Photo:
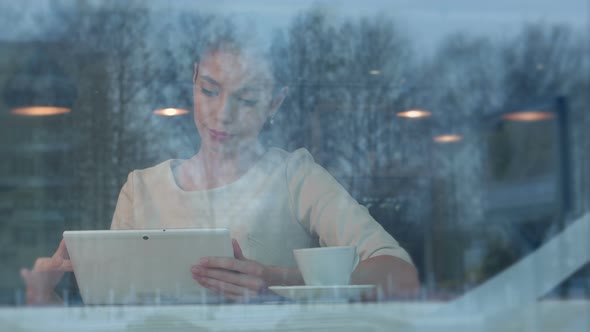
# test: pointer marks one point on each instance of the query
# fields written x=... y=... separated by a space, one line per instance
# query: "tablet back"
x=143 y=266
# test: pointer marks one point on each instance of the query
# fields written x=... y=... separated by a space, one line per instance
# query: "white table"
x=550 y=316
x=505 y=303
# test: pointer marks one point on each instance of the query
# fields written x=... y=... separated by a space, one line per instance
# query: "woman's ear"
x=195 y=71
x=277 y=100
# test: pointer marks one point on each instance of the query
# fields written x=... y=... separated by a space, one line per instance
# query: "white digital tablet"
x=143 y=266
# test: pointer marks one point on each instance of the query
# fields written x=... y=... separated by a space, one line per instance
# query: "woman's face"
x=232 y=100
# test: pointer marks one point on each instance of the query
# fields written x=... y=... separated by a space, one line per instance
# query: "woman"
x=271 y=200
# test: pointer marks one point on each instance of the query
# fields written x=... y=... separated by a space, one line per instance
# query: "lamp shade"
x=414 y=114
x=40 y=88
x=528 y=115
x=447 y=138
x=171 y=111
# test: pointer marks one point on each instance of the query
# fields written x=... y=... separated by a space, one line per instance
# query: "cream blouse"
x=285 y=201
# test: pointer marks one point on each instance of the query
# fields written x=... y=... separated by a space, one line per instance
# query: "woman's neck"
x=214 y=168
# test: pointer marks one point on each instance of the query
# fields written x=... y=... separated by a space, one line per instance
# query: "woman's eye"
x=248 y=102
x=210 y=93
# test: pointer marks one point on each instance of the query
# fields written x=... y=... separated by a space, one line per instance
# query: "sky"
x=426 y=21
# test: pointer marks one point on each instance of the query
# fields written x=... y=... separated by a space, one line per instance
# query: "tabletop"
x=570 y=316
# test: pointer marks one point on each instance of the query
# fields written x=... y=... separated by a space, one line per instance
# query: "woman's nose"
x=227 y=110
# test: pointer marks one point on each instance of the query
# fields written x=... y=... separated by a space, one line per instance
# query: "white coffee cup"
x=327 y=265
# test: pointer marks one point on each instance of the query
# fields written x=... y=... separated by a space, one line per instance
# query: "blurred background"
x=462 y=126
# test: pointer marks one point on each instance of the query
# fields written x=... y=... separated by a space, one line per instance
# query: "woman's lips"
x=219 y=135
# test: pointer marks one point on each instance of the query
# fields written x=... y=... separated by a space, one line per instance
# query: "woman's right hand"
x=45 y=275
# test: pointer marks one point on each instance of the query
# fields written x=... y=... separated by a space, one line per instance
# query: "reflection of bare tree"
x=472 y=77
x=462 y=81
x=108 y=55
x=345 y=79
x=129 y=61
x=541 y=63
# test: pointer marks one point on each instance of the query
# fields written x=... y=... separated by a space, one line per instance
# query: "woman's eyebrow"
x=255 y=86
x=210 y=80
x=249 y=90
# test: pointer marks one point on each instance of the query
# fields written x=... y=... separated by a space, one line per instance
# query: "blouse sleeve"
x=123 y=216
x=327 y=210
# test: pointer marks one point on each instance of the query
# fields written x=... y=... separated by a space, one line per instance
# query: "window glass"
x=447 y=138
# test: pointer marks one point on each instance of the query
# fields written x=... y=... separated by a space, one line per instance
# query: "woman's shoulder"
x=286 y=156
x=297 y=163
x=156 y=173
x=296 y=158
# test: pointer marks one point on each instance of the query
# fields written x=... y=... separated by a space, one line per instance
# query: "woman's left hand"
x=239 y=278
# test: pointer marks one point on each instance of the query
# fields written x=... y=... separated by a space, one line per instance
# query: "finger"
x=25 y=273
x=226 y=289
x=232 y=264
x=62 y=250
x=66 y=266
x=52 y=264
x=237 y=250
x=46 y=264
x=239 y=279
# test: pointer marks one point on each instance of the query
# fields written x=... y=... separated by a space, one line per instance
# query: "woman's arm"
x=393 y=276
x=240 y=278
x=324 y=207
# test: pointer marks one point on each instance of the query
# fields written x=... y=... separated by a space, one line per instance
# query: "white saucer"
x=323 y=293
